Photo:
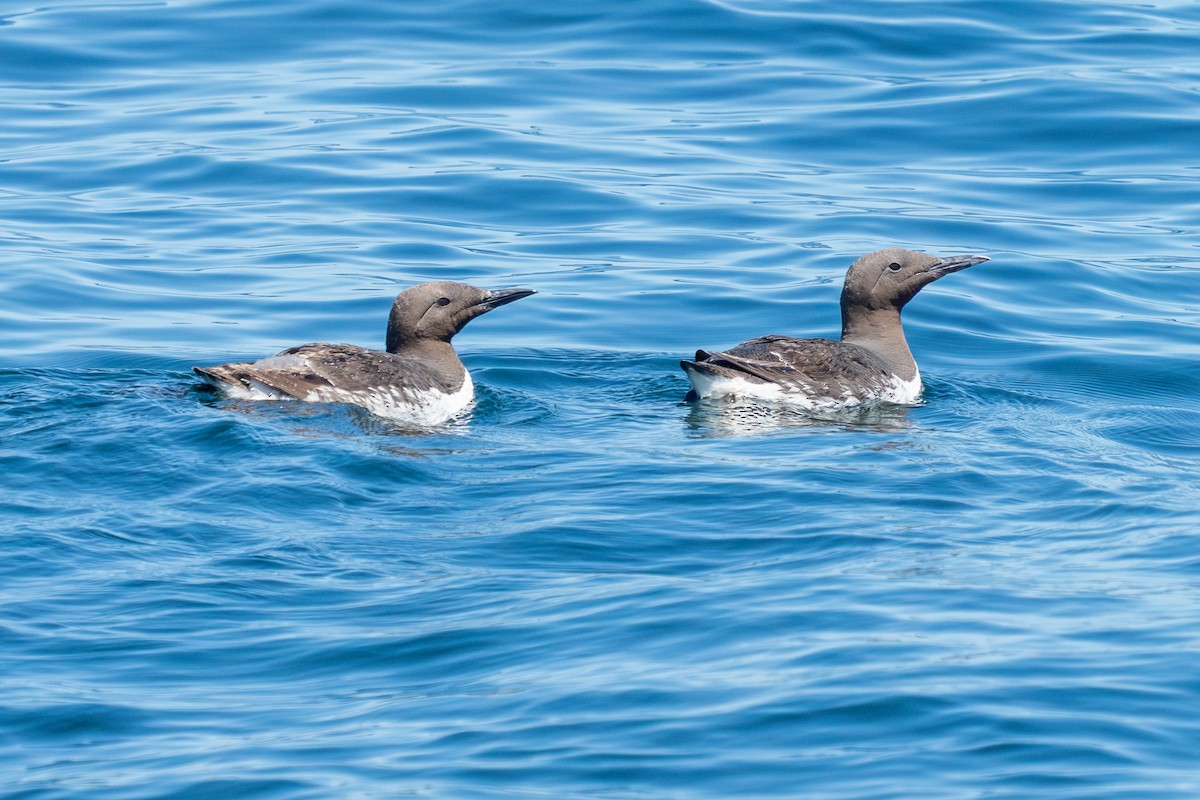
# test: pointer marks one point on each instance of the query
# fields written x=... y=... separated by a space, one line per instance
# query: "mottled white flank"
x=707 y=385
x=899 y=391
x=414 y=407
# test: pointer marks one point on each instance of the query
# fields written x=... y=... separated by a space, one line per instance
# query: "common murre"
x=418 y=380
x=871 y=363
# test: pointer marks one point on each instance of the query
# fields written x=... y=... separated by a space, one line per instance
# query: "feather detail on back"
x=418 y=379
x=872 y=361
x=394 y=386
x=814 y=373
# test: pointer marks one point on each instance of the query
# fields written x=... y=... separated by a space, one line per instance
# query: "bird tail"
x=237 y=380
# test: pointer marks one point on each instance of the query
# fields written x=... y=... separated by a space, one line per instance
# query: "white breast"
x=904 y=393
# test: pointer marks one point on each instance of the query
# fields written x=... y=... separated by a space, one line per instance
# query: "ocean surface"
x=585 y=587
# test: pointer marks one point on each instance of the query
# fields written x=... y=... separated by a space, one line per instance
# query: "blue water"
x=588 y=588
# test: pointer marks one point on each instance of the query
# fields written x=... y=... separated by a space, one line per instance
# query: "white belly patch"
x=901 y=392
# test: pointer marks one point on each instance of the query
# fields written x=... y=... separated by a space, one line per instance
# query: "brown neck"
x=438 y=354
x=879 y=330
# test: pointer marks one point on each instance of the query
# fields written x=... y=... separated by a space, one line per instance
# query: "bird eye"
x=893 y=266
x=443 y=301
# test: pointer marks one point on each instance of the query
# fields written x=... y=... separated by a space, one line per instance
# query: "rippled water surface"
x=586 y=587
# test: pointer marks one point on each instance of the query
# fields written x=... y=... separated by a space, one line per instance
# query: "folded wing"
x=818 y=368
x=325 y=371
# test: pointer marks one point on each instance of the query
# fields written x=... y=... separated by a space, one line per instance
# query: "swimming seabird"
x=871 y=363
x=418 y=380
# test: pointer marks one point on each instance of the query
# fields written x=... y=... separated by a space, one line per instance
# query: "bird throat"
x=880 y=331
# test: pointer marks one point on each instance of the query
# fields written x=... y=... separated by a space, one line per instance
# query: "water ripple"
x=586 y=587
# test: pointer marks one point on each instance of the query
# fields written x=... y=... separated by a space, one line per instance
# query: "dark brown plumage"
x=872 y=361
x=418 y=378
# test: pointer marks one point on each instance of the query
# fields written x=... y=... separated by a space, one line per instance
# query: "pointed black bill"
x=498 y=297
x=491 y=299
x=956 y=263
